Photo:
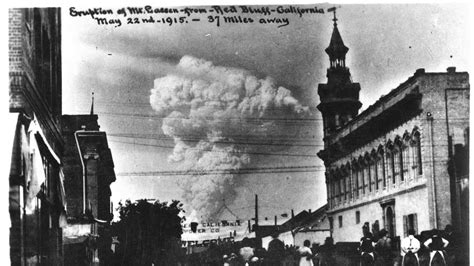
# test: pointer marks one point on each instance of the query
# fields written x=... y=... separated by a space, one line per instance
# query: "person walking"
x=383 y=248
x=326 y=253
x=366 y=249
x=246 y=251
x=305 y=254
x=436 y=244
x=276 y=251
x=409 y=249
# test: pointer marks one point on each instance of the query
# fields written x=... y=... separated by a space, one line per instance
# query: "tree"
x=148 y=233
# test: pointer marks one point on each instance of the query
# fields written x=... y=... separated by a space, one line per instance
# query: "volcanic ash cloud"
x=212 y=112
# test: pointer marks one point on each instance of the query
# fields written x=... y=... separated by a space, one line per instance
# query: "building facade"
x=89 y=171
x=402 y=162
x=36 y=202
x=61 y=166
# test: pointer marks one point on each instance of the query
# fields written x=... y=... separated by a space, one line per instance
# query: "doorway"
x=388 y=210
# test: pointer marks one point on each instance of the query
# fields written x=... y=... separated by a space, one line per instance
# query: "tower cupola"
x=339 y=96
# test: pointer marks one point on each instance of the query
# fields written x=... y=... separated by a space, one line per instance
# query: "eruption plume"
x=212 y=112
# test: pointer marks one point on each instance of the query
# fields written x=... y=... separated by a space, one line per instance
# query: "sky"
x=214 y=115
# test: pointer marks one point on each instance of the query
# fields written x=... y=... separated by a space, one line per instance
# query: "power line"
x=218 y=119
x=289 y=119
x=272 y=137
x=258 y=144
x=256 y=170
x=148 y=104
x=268 y=142
x=219 y=151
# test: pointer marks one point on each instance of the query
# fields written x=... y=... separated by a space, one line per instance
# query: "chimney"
x=420 y=71
x=292 y=214
x=309 y=210
x=451 y=69
x=275 y=220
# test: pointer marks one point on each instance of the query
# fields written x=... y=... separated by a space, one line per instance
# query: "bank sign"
x=206 y=233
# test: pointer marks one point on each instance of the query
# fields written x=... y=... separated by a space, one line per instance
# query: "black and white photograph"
x=275 y=134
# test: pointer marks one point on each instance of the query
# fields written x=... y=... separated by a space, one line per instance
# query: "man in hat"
x=436 y=244
x=383 y=248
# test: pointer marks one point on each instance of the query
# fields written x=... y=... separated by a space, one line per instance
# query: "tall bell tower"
x=339 y=96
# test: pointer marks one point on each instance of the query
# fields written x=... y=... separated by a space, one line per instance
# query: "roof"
x=296 y=221
x=314 y=218
x=383 y=100
x=336 y=46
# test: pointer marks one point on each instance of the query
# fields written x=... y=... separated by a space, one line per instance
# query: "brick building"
x=404 y=160
x=35 y=198
x=87 y=160
x=55 y=218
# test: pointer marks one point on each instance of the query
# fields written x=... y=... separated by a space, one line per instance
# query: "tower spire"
x=336 y=50
x=339 y=96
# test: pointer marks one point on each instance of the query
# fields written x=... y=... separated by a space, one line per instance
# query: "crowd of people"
x=246 y=252
x=432 y=247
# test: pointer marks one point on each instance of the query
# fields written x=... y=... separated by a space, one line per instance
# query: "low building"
x=315 y=228
x=402 y=162
x=306 y=225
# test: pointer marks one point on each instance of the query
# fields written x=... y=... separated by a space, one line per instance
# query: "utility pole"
x=257 y=231
x=256 y=209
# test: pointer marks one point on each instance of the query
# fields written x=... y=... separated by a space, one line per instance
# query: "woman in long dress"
x=306 y=256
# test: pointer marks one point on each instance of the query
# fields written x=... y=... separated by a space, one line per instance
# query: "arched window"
x=406 y=156
x=337 y=188
x=361 y=175
x=347 y=174
x=389 y=163
x=330 y=187
x=373 y=171
x=333 y=189
x=344 y=184
x=379 y=162
x=342 y=187
x=355 y=179
x=416 y=154
x=368 y=173
x=397 y=160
